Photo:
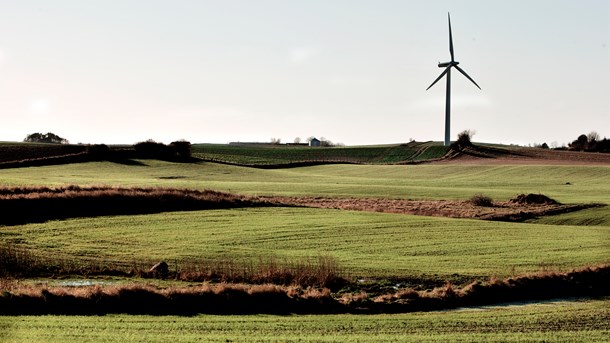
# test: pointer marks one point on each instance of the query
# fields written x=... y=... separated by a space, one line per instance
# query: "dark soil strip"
x=28 y=205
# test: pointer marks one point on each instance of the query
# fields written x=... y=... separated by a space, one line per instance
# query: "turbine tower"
x=447 y=71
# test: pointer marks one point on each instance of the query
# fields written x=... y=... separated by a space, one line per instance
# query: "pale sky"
x=352 y=71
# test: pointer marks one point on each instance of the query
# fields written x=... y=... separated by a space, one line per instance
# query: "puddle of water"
x=84 y=283
x=516 y=304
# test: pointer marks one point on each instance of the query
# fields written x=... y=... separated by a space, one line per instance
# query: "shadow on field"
x=128 y=162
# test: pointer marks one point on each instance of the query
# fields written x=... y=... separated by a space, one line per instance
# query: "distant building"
x=314 y=142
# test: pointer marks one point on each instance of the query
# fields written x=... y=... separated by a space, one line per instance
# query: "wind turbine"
x=447 y=71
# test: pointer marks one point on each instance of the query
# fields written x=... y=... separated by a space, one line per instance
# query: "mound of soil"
x=533 y=199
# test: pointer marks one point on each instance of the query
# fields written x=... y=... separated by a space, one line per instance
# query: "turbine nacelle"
x=447 y=64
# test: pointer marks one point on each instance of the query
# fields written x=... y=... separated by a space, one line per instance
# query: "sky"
x=351 y=71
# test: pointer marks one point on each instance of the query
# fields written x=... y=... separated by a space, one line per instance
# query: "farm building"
x=314 y=142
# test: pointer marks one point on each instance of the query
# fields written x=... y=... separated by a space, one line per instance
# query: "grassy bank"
x=551 y=322
x=24 y=299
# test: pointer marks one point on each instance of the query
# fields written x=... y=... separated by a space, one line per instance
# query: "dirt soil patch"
x=517 y=209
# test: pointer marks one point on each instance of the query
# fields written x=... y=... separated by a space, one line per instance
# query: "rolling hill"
x=280 y=156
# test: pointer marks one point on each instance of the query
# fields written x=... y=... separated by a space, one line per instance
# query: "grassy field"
x=589 y=217
x=587 y=183
x=257 y=154
x=565 y=321
x=260 y=155
x=365 y=244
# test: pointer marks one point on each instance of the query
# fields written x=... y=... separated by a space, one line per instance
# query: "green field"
x=267 y=154
x=364 y=244
x=574 y=321
x=587 y=183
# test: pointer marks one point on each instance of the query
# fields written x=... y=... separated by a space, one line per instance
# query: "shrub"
x=151 y=149
x=464 y=140
x=181 y=148
x=98 y=150
x=175 y=150
x=481 y=200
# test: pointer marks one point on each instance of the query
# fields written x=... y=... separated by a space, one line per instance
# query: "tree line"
x=591 y=142
x=45 y=138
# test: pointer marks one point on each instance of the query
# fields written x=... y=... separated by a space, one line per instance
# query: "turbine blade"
x=450 y=38
x=440 y=77
x=469 y=78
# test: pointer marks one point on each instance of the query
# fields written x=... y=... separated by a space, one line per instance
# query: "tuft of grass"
x=322 y=271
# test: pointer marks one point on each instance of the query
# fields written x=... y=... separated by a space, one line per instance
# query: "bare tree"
x=325 y=142
x=593 y=137
x=297 y=140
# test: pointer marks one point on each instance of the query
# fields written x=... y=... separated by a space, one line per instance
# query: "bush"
x=481 y=200
x=182 y=149
x=151 y=149
x=464 y=140
x=98 y=150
